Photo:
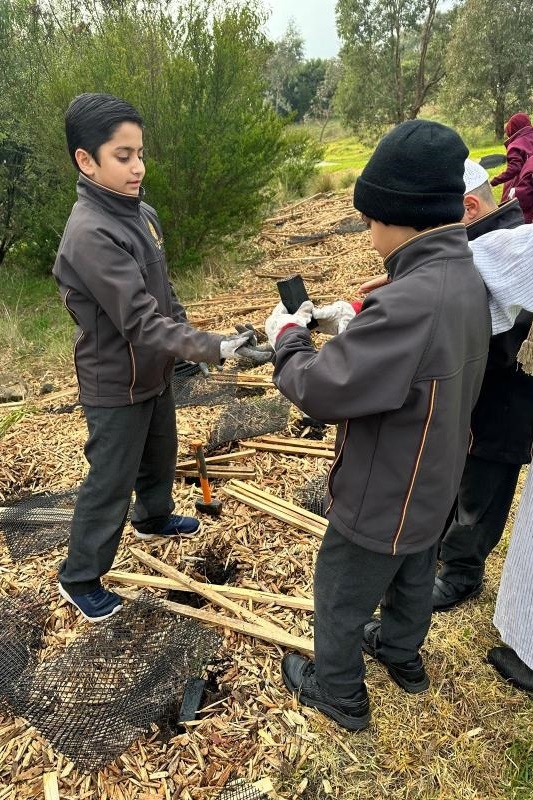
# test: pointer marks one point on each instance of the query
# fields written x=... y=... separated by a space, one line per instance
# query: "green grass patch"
x=520 y=769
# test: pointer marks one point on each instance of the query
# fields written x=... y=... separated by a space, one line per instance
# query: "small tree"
x=490 y=62
x=322 y=105
x=393 y=57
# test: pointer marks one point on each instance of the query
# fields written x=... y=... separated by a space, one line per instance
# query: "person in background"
x=519 y=146
x=400 y=381
x=501 y=425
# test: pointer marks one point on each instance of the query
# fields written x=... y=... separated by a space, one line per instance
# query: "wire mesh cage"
x=107 y=688
x=313 y=495
x=37 y=523
x=250 y=417
x=21 y=632
x=240 y=789
x=191 y=387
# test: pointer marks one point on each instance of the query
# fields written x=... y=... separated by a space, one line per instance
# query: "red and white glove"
x=281 y=319
x=334 y=317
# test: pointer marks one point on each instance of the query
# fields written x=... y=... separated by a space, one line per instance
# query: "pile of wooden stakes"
x=244 y=621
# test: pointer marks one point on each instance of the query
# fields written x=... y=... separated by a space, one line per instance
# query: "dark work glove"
x=258 y=354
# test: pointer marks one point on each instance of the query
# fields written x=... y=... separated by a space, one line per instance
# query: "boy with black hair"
x=401 y=381
x=112 y=275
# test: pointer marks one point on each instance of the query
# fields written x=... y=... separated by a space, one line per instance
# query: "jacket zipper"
x=330 y=476
x=429 y=415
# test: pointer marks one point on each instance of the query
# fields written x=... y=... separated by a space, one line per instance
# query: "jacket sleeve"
x=524 y=187
x=367 y=369
x=114 y=279
x=515 y=162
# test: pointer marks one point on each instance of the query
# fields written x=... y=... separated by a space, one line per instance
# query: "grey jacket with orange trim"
x=401 y=381
x=112 y=275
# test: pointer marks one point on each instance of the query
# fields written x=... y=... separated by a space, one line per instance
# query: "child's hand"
x=334 y=317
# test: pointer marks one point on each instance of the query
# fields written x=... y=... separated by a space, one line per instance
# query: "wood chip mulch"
x=449 y=743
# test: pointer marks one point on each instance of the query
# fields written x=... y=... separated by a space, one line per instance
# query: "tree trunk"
x=499 y=117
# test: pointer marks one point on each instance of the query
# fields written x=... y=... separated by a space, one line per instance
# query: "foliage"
x=196 y=72
x=282 y=67
x=490 y=62
x=301 y=89
x=393 y=57
x=322 y=105
x=302 y=155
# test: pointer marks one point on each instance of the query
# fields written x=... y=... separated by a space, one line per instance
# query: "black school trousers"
x=129 y=448
x=484 y=499
x=349 y=584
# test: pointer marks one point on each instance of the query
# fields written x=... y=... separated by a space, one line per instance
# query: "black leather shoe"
x=298 y=674
x=511 y=667
x=447 y=595
x=411 y=676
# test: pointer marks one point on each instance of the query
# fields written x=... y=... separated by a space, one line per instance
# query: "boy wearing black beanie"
x=400 y=382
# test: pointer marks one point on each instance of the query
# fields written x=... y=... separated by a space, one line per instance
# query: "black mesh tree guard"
x=107 y=688
x=37 y=523
x=21 y=632
x=240 y=789
x=247 y=418
x=312 y=495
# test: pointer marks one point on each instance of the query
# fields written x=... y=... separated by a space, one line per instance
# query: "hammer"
x=208 y=505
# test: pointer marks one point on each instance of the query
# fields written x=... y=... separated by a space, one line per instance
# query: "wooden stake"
x=219 y=472
x=50 y=786
x=290 y=449
x=252 y=489
x=237 y=592
x=274 y=511
x=203 y=590
x=238 y=455
x=271 y=635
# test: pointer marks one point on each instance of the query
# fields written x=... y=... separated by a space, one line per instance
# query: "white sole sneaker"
x=65 y=595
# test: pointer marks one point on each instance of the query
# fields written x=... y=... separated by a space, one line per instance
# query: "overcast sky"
x=314 y=19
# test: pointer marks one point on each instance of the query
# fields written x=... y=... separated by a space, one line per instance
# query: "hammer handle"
x=202 y=470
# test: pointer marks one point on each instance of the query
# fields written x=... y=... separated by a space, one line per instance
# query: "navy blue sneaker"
x=176 y=527
x=96 y=605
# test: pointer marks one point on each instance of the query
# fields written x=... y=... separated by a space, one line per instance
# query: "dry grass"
x=467 y=738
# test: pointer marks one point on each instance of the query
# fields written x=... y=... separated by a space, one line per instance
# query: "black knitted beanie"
x=414 y=177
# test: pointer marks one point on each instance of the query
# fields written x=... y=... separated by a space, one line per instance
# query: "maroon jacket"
x=519 y=148
x=524 y=190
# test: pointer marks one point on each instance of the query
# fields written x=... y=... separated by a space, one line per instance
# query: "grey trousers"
x=349 y=584
x=129 y=447
x=485 y=496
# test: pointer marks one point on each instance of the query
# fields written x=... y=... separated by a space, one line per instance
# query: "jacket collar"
x=123 y=205
x=527 y=130
x=448 y=241
x=508 y=215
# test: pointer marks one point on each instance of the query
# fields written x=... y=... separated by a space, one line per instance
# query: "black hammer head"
x=214 y=507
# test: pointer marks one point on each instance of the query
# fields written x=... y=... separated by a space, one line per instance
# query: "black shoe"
x=447 y=595
x=298 y=674
x=511 y=667
x=410 y=675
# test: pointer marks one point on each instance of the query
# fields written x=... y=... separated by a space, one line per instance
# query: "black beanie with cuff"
x=414 y=177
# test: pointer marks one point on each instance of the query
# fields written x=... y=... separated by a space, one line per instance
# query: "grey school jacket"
x=401 y=383
x=112 y=275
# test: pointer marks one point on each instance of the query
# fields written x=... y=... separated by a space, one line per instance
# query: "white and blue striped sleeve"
x=504 y=259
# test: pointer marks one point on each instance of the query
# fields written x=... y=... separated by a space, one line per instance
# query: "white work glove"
x=230 y=344
x=281 y=317
x=334 y=317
